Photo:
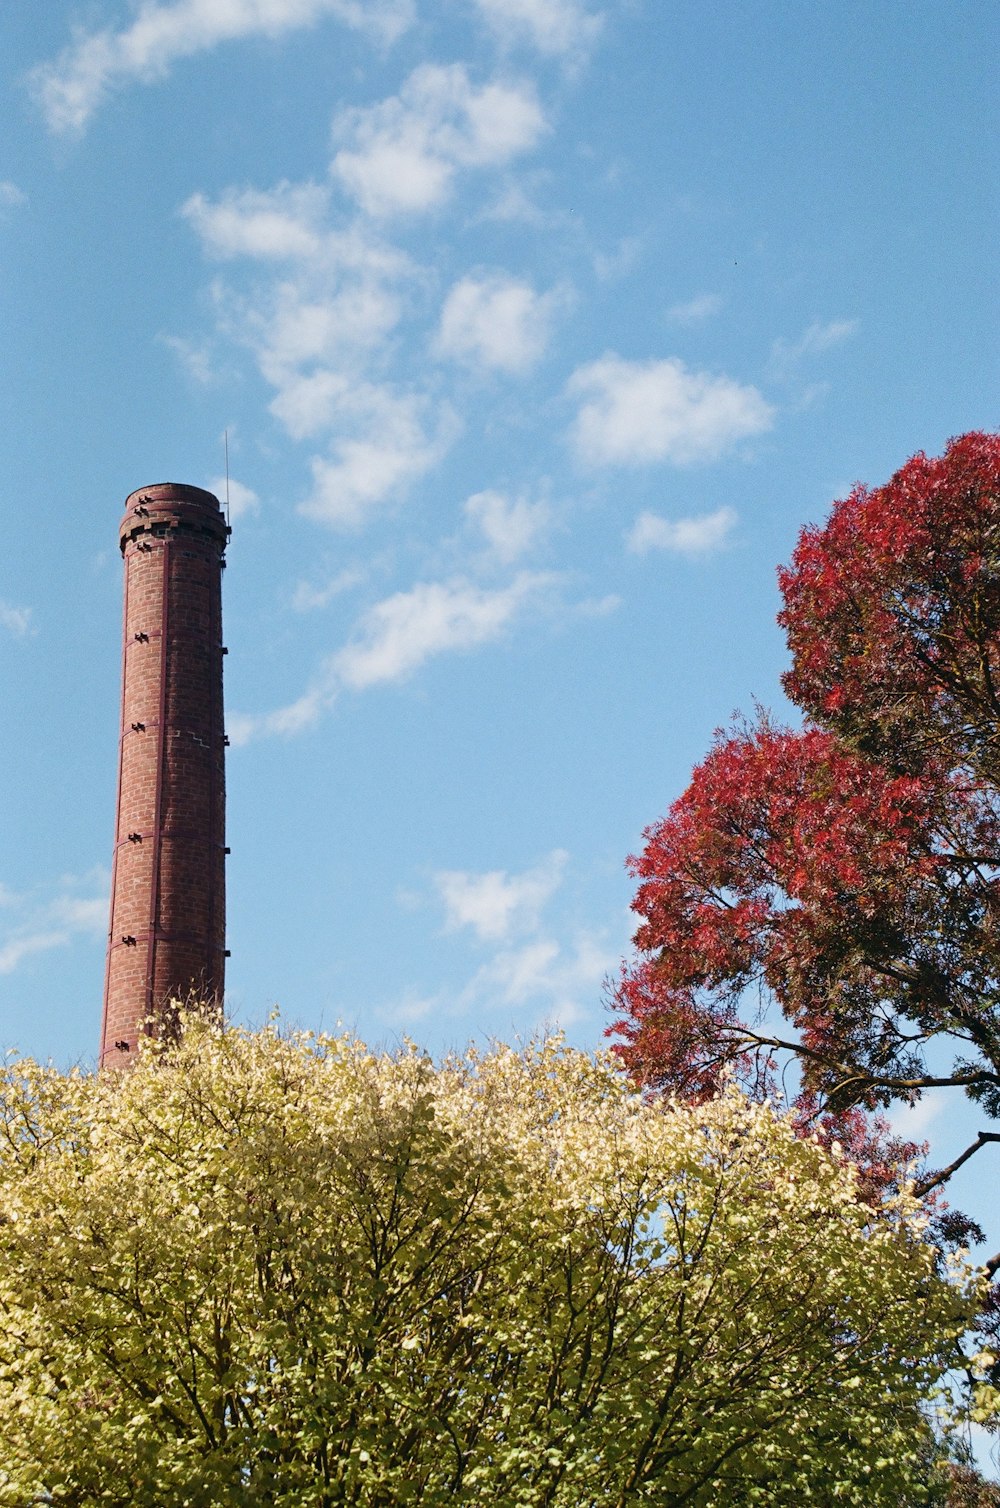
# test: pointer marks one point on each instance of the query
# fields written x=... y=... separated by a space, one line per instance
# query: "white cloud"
x=33 y=924
x=555 y=27
x=280 y=224
x=401 y=154
x=393 y=639
x=284 y=722
x=337 y=299
x=242 y=499
x=556 y=983
x=313 y=330
x=401 y=633
x=683 y=536
x=529 y=965
x=404 y=1013
x=301 y=328
x=694 y=310
x=610 y=266
x=309 y=403
x=16 y=620
x=562 y=983
x=14 y=952
x=307 y=597
x=814 y=340
x=70 y=89
x=194 y=356
x=599 y=607
x=11 y=197
x=510 y=525
x=514 y=204
x=290 y=222
x=337 y=295
x=496 y=904
x=396 y=440
x=495 y=321
x=912 y=1122
x=518 y=974
x=637 y=412
x=81 y=914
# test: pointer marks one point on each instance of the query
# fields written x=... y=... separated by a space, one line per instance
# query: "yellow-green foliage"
x=261 y=1269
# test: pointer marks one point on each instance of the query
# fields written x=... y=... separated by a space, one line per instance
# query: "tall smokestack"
x=167 y=936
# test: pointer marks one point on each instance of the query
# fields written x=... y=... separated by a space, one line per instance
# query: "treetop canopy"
x=279 y=1268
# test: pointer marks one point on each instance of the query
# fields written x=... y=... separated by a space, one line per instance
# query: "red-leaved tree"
x=829 y=896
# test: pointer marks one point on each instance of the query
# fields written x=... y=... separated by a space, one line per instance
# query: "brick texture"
x=167 y=932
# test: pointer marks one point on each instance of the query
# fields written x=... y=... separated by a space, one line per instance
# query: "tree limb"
x=860 y=1076
x=936 y=1179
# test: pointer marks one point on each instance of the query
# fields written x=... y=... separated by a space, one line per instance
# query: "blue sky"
x=539 y=329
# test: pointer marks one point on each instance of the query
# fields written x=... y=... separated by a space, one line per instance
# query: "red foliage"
x=892 y=612
x=831 y=895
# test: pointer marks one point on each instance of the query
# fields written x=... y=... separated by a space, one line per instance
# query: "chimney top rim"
x=182 y=492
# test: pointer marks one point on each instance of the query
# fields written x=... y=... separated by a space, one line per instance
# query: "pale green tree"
x=271 y=1269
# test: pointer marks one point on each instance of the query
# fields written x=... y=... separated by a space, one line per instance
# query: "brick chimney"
x=168 y=898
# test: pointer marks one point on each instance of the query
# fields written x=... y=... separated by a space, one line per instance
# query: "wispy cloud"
x=17 y=949
x=16 y=620
x=336 y=299
x=693 y=310
x=284 y=722
x=314 y=330
x=541 y=984
x=397 y=438
x=787 y=355
x=308 y=597
x=561 y=981
x=242 y=499
x=618 y=263
x=396 y=637
x=321 y=318
x=514 y=204
x=71 y=88
x=33 y=923
x=496 y=904
x=285 y=223
x=401 y=155
x=80 y=913
x=495 y=321
x=194 y=356
x=11 y=197
x=558 y=28
x=401 y=633
x=700 y=535
x=510 y=526
x=311 y=342
x=530 y=964
x=912 y=1122
x=533 y=973
x=637 y=412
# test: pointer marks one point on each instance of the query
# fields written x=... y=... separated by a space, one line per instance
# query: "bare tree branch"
x=936 y=1179
x=853 y=1075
